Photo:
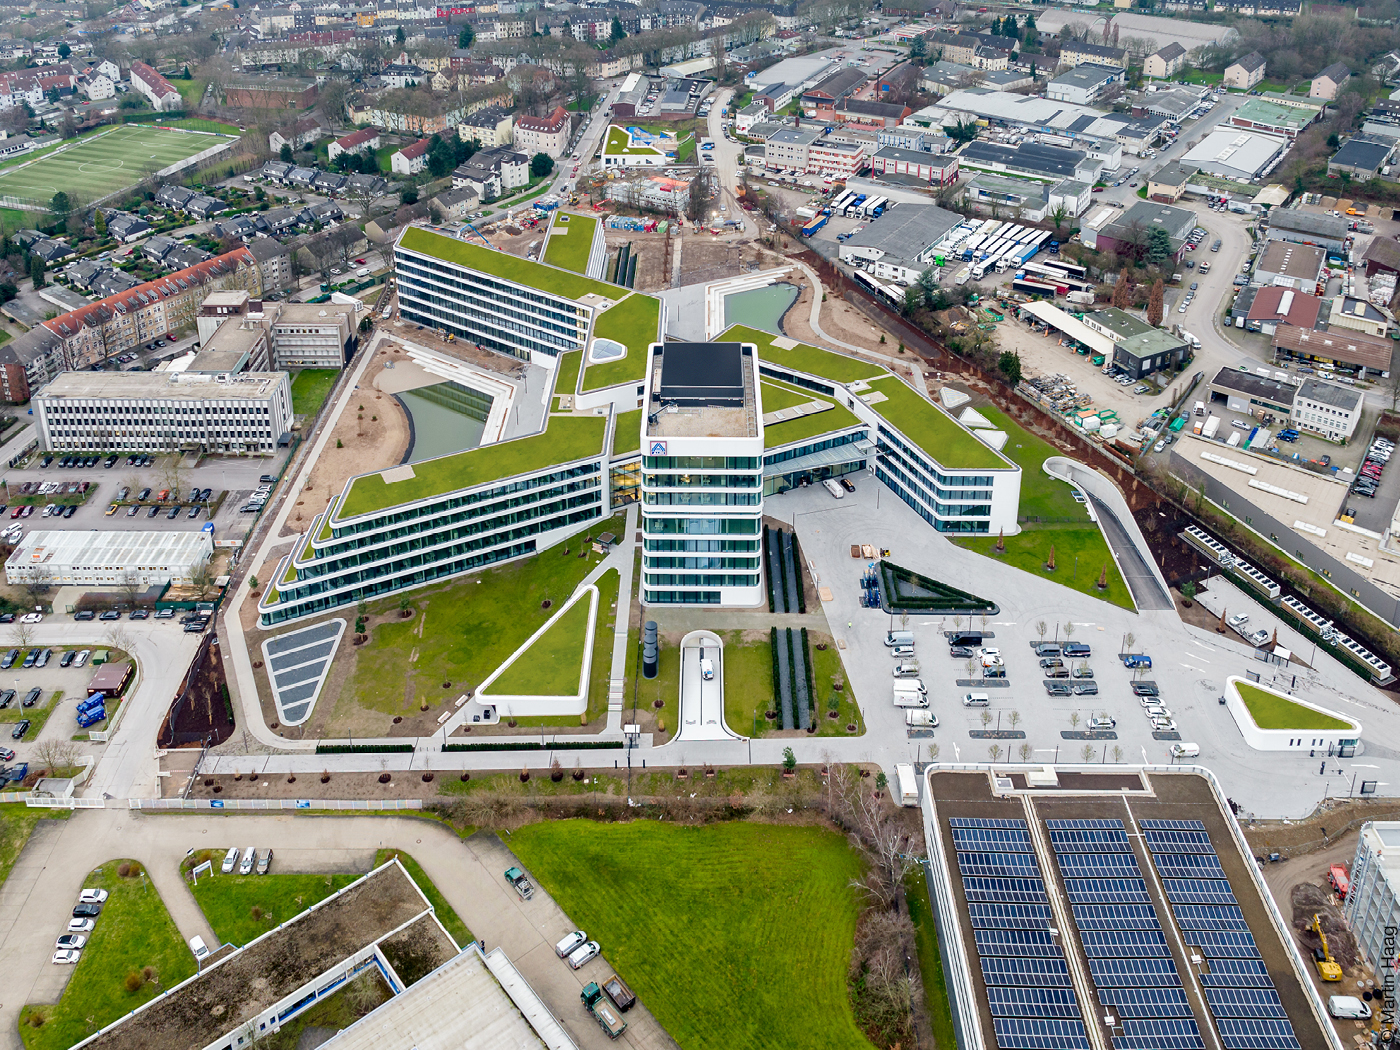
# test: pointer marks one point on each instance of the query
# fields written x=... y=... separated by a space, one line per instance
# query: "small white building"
x=109 y=559
x=1341 y=736
x=411 y=159
x=1326 y=409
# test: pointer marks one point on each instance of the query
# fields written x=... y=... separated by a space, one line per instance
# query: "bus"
x=1068 y=268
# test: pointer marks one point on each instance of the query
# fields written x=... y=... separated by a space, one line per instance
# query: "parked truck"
x=602 y=1010
x=1081 y=298
x=93 y=702
x=813 y=226
x=806 y=213
x=1212 y=425
x=908 y=784
x=92 y=717
x=520 y=882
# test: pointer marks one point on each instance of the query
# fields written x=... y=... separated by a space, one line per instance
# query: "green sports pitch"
x=101 y=163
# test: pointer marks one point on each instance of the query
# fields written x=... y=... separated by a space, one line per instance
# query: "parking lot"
x=232 y=477
x=53 y=712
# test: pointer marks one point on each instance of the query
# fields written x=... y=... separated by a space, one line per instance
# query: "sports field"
x=102 y=163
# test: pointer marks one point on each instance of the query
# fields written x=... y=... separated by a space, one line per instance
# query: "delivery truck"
x=907 y=784
x=909 y=697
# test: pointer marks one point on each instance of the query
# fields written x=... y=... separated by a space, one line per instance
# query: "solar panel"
x=1025 y=973
x=1223 y=944
x=1009 y=890
x=1107 y=891
x=1011 y=916
x=1015 y=942
x=1169 y=1026
x=1168 y=1034
x=1087 y=824
x=1116 y=917
x=1025 y=1033
x=1199 y=891
x=999 y=840
x=1245 y=1002
x=1252 y=1034
x=998 y=864
x=986 y=822
x=1090 y=841
x=1171 y=825
x=1131 y=944
x=1032 y=1002
x=1145 y=1002
x=1179 y=842
x=1109 y=973
x=1237 y=973
x=1188 y=865
x=1091 y=865
x=1210 y=917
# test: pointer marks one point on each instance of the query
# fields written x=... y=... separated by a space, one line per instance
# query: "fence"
x=54 y=802
x=204 y=804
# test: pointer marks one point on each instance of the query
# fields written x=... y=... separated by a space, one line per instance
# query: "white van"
x=893 y=638
x=707 y=668
x=920 y=719
x=250 y=856
x=835 y=489
x=908 y=784
x=910 y=698
x=902 y=652
x=1186 y=750
x=907 y=669
x=1348 y=1007
x=976 y=700
x=201 y=950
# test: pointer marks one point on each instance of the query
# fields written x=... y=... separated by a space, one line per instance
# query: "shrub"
x=133 y=982
x=123 y=870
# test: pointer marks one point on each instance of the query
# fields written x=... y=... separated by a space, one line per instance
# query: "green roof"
x=507 y=267
x=570 y=241
x=1121 y=323
x=634 y=323
x=1258 y=111
x=803 y=358
x=566 y=376
x=933 y=430
x=565 y=439
x=780 y=395
x=627 y=433
x=1272 y=711
x=618 y=143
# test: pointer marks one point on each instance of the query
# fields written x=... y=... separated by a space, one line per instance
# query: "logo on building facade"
x=658 y=448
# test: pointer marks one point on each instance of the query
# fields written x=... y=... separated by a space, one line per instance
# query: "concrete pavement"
x=35 y=901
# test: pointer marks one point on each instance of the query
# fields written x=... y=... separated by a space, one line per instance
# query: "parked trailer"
x=1029 y=287
x=908 y=784
x=853 y=209
x=874 y=206
x=1068 y=268
x=814 y=225
x=892 y=294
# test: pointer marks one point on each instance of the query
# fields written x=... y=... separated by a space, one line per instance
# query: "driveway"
x=36 y=899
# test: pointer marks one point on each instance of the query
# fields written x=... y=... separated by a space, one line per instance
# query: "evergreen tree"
x=100 y=223
x=1154 y=304
x=285 y=153
x=617 y=33
x=465 y=37
x=1009 y=365
x=1159 y=246
x=1122 y=291
x=36 y=270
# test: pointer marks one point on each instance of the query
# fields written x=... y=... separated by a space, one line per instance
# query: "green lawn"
x=497 y=610
x=531 y=275
x=566 y=377
x=571 y=241
x=133 y=933
x=933 y=430
x=1271 y=711
x=627 y=433
x=748 y=681
x=16 y=825
x=803 y=358
x=228 y=901
x=633 y=323
x=1044 y=497
x=310 y=389
x=552 y=665
x=103 y=163
x=601 y=669
x=192 y=91
x=769 y=909
x=1196 y=76
x=444 y=911
x=930 y=961
x=567 y=438
x=779 y=395
x=618 y=140
x=200 y=124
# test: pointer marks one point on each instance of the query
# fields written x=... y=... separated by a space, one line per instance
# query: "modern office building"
x=1326 y=409
x=1372 y=906
x=702 y=476
x=164 y=412
x=512 y=305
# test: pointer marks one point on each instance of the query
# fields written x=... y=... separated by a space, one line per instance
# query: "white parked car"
x=230 y=860
x=92 y=896
x=1239 y=621
x=584 y=953
x=32 y=618
x=569 y=944
x=67 y=956
x=80 y=925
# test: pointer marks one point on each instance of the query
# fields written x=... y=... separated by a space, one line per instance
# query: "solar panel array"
x=1247 y=1010
x=1032 y=1002
x=1126 y=948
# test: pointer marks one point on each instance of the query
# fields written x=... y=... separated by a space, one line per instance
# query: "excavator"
x=1327 y=967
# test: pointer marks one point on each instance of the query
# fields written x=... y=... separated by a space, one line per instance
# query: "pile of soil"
x=1308 y=900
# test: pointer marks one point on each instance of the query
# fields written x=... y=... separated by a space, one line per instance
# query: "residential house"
x=1244 y=73
x=490 y=127
x=159 y=92
x=411 y=159
x=455 y=204
x=548 y=135
x=1079 y=53
x=1166 y=62
x=96 y=86
x=1330 y=81
x=302 y=133
x=365 y=141
x=125 y=227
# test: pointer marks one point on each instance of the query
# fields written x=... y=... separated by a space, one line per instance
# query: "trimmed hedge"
x=797 y=568
x=942 y=597
x=363 y=749
x=582 y=745
x=777 y=682
x=811 y=679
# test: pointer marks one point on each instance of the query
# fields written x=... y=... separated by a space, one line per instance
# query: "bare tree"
x=119 y=638
x=871 y=830
x=21 y=636
x=37 y=586
x=129 y=587
x=202 y=577
x=58 y=756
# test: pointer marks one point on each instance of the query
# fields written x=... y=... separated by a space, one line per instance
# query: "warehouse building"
x=1030 y=160
x=1360 y=157
x=161 y=412
x=899 y=245
x=933 y=168
x=1084 y=85
x=1129 y=228
x=1326 y=409
x=1305 y=227
x=1248 y=392
x=1359 y=316
x=1273 y=119
x=1240 y=155
x=108 y=559
x=1336 y=349
x=1275 y=306
x=1291 y=266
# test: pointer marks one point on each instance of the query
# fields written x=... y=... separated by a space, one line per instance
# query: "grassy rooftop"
x=803 y=358
x=619 y=143
x=507 y=267
x=780 y=395
x=627 y=433
x=570 y=241
x=933 y=430
x=633 y=323
x=566 y=376
x=566 y=438
x=1271 y=711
